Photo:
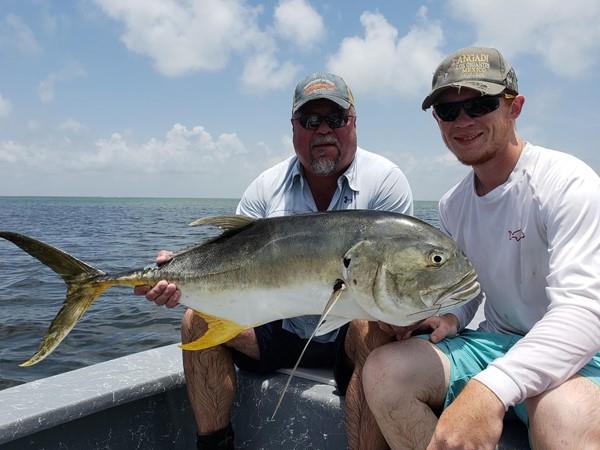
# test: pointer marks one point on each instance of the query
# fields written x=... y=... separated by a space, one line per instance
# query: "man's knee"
x=412 y=369
x=192 y=326
x=362 y=337
x=569 y=413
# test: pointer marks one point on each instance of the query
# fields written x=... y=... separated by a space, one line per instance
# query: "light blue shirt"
x=370 y=182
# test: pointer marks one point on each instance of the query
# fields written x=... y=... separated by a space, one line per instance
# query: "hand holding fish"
x=439 y=326
x=163 y=292
x=473 y=420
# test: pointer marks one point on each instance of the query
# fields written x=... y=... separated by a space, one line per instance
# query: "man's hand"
x=439 y=326
x=163 y=292
x=473 y=421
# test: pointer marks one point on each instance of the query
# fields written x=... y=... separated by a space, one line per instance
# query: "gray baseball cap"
x=480 y=68
x=322 y=85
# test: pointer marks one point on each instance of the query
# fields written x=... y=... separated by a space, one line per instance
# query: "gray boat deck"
x=139 y=402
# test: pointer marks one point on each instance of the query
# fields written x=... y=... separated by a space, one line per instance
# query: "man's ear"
x=516 y=106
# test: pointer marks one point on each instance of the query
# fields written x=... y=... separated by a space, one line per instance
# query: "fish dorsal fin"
x=219 y=331
x=332 y=323
x=338 y=288
x=225 y=223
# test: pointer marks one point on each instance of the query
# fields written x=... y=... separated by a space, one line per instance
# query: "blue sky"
x=192 y=98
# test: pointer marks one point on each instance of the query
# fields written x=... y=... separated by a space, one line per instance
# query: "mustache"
x=320 y=140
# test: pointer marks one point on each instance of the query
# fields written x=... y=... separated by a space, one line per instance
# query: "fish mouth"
x=466 y=288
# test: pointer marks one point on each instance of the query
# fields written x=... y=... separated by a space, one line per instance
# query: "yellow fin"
x=219 y=331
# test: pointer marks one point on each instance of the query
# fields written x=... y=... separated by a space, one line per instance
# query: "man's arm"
x=568 y=335
x=394 y=194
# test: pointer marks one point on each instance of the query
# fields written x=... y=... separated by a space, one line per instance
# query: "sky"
x=192 y=98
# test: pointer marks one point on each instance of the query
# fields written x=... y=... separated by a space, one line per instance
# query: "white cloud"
x=382 y=64
x=298 y=22
x=182 y=150
x=46 y=87
x=263 y=72
x=5 y=107
x=565 y=34
x=71 y=125
x=15 y=33
x=185 y=36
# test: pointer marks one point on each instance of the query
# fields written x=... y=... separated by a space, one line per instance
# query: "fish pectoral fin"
x=338 y=288
x=219 y=331
x=330 y=324
x=226 y=223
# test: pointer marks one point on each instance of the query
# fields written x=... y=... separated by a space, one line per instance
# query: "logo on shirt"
x=347 y=199
x=516 y=235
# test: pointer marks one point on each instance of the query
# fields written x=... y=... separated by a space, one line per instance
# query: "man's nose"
x=324 y=128
x=463 y=118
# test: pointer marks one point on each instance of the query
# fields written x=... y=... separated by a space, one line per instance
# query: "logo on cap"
x=472 y=63
x=318 y=85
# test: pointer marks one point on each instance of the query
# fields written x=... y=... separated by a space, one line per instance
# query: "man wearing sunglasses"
x=327 y=172
x=529 y=220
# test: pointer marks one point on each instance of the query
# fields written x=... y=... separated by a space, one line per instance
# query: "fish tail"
x=84 y=285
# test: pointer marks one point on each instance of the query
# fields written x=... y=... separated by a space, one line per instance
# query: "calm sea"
x=112 y=234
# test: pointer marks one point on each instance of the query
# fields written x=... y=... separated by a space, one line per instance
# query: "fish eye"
x=437 y=258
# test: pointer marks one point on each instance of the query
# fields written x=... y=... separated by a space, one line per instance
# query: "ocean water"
x=111 y=234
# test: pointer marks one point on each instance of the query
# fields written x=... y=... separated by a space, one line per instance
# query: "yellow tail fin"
x=84 y=285
x=219 y=331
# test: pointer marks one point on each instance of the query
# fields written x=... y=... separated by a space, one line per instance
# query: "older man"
x=328 y=172
x=529 y=220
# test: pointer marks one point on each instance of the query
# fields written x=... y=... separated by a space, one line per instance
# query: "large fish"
x=344 y=265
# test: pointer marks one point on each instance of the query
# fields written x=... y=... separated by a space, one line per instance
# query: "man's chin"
x=324 y=167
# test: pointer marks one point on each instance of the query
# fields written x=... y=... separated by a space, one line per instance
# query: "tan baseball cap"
x=480 y=68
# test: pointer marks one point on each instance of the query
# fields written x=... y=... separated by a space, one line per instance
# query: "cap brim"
x=486 y=88
x=340 y=101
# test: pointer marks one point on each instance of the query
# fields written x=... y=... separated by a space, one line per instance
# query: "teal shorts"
x=471 y=351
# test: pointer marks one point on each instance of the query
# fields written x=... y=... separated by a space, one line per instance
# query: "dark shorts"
x=279 y=349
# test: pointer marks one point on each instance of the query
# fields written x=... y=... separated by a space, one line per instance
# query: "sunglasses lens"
x=447 y=111
x=310 y=122
x=481 y=106
x=475 y=107
x=313 y=121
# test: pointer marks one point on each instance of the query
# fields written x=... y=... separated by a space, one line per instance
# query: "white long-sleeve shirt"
x=535 y=244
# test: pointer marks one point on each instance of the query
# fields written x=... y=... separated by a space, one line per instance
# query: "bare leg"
x=210 y=374
x=567 y=416
x=404 y=383
x=361 y=427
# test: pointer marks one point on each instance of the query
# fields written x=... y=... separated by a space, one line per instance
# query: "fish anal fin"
x=219 y=331
x=226 y=223
x=330 y=324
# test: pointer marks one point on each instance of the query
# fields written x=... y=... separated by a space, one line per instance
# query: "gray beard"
x=323 y=167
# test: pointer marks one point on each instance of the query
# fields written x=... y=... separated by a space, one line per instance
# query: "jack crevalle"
x=343 y=265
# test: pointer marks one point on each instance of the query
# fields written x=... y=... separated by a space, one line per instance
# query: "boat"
x=139 y=402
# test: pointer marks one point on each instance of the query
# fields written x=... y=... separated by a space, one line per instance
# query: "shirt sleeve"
x=252 y=203
x=394 y=194
x=568 y=335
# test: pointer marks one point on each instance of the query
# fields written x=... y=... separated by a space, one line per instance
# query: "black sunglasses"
x=474 y=107
x=314 y=121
